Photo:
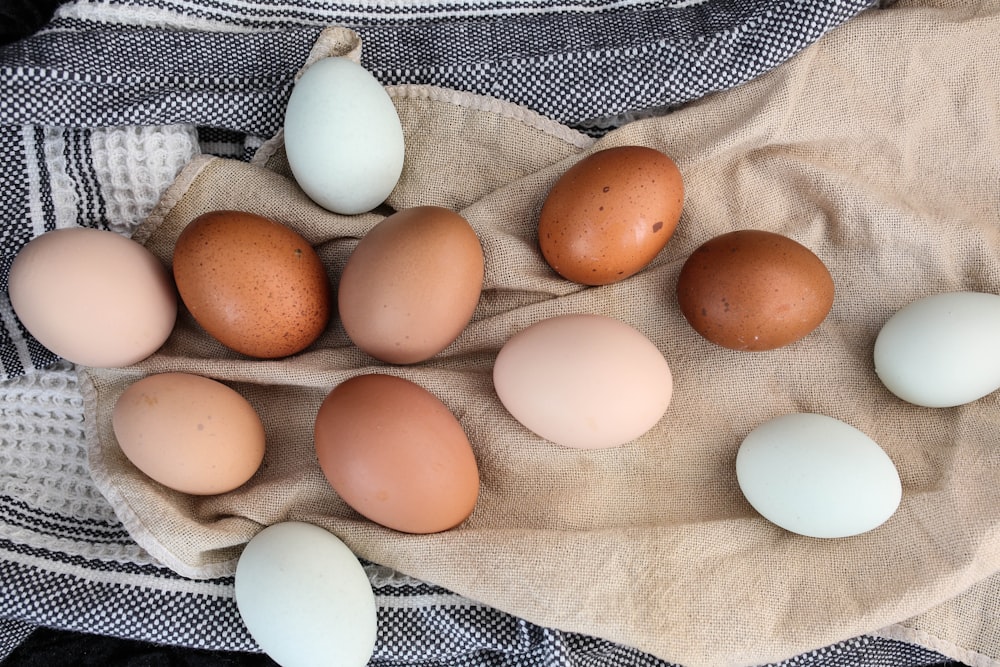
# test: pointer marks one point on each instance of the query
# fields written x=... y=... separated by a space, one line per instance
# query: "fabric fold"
x=652 y=545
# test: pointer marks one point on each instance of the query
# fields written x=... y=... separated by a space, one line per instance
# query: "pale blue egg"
x=343 y=137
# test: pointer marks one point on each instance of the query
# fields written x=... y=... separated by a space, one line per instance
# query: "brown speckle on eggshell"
x=610 y=214
x=754 y=290
x=254 y=284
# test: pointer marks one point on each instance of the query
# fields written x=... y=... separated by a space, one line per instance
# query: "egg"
x=343 y=137
x=254 y=284
x=817 y=476
x=942 y=350
x=754 y=290
x=190 y=433
x=305 y=597
x=583 y=380
x=93 y=297
x=609 y=215
x=411 y=285
x=396 y=454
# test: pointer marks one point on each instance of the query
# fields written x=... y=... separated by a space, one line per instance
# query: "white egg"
x=817 y=476
x=343 y=137
x=941 y=350
x=583 y=380
x=305 y=598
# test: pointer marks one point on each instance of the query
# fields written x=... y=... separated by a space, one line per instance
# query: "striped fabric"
x=100 y=110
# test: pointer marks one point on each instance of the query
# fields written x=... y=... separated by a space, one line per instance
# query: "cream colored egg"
x=942 y=350
x=817 y=476
x=93 y=297
x=583 y=380
x=343 y=137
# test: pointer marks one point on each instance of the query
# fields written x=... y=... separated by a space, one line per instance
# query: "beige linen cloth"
x=878 y=148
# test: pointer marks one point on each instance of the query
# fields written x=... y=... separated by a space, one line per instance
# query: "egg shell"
x=610 y=214
x=817 y=476
x=583 y=380
x=305 y=597
x=93 y=297
x=254 y=284
x=942 y=350
x=343 y=137
x=411 y=285
x=396 y=454
x=754 y=290
x=190 y=433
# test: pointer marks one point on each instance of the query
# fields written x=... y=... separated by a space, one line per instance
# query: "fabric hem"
x=123 y=508
x=930 y=641
x=500 y=107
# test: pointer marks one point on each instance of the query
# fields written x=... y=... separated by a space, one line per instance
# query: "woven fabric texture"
x=100 y=113
x=647 y=544
x=226 y=66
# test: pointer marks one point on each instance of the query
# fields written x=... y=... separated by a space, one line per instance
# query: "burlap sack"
x=877 y=148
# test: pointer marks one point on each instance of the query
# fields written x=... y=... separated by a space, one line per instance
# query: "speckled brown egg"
x=754 y=290
x=610 y=214
x=254 y=284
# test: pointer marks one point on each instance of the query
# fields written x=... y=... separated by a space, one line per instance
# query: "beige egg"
x=93 y=297
x=583 y=380
x=190 y=433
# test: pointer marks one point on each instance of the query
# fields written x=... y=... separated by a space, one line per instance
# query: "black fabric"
x=53 y=648
x=21 y=18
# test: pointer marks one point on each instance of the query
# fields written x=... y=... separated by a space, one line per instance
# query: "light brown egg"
x=396 y=454
x=252 y=283
x=411 y=285
x=754 y=290
x=190 y=433
x=610 y=214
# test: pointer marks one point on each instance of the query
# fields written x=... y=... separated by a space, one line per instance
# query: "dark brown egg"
x=252 y=283
x=754 y=290
x=610 y=214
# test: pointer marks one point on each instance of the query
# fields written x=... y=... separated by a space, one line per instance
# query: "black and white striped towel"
x=102 y=107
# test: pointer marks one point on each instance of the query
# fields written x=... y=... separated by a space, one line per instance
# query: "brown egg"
x=190 y=433
x=396 y=454
x=411 y=285
x=610 y=214
x=252 y=283
x=754 y=290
